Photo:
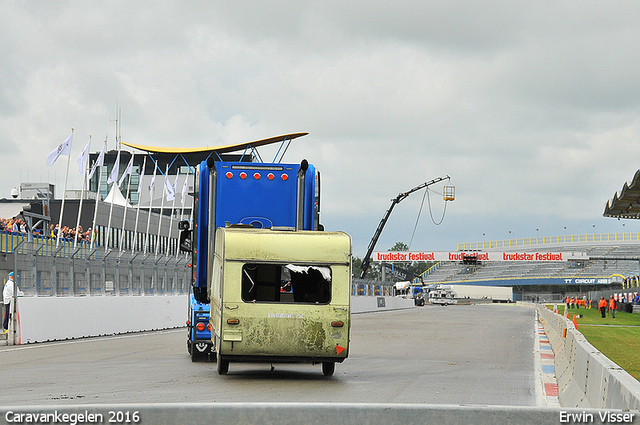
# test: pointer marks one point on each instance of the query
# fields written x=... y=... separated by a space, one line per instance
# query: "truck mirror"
x=185 y=240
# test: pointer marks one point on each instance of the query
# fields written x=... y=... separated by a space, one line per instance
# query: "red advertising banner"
x=406 y=256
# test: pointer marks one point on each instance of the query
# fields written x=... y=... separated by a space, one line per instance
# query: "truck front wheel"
x=197 y=356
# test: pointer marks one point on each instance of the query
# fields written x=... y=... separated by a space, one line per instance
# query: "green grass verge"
x=618 y=339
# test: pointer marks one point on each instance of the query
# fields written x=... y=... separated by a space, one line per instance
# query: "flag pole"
x=184 y=187
x=110 y=215
x=173 y=206
x=195 y=176
x=95 y=211
x=64 y=191
x=135 y=231
x=126 y=201
x=84 y=185
x=116 y=167
x=162 y=208
x=151 y=187
x=114 y=179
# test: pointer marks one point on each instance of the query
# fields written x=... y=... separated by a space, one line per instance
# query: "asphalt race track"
x=466 y=355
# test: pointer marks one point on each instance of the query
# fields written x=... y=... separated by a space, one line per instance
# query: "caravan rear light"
x=233 y=321
x=200 y=326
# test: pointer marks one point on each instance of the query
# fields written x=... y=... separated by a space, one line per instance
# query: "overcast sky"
x=532 y=108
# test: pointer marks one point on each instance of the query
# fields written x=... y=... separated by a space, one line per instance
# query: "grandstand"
x=613 y=258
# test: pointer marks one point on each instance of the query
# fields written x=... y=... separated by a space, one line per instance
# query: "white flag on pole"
x=63 y=149
x=153 y=179
x=99 y=163
x=83 y=157
x=140 y=180
x=113 y=177
x=169 y=190
x=127 y=171
x=184 y=188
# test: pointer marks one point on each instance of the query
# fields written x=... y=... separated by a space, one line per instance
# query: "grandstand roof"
x=626 y=203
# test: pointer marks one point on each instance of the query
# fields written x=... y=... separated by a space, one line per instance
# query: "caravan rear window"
x=286 y=283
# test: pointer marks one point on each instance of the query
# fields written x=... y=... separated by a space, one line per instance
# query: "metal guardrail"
x=549 y=240
x=9 y=241
x=373 y=288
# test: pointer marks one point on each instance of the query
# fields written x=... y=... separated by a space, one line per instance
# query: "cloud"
x=531 y=108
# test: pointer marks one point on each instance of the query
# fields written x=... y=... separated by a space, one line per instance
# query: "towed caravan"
x=280 y=296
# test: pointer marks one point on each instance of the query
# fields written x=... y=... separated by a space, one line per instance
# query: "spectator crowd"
x=17 y=225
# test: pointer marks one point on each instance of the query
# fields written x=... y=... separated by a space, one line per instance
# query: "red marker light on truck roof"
x=270 y=176
x=285 y=177
x=229 y=174
x=243 y=175
x=256 y=176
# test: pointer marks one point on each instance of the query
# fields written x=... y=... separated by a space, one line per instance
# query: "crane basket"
x=449 y=193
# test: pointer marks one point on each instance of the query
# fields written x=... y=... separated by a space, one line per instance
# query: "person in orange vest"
x=602 y=305
x=612 y=307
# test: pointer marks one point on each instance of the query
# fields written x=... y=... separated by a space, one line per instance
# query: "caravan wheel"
x=328 y=368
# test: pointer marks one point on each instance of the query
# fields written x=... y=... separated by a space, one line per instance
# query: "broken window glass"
x=286 y=283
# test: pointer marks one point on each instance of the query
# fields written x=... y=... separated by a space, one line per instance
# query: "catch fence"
x=45 y=272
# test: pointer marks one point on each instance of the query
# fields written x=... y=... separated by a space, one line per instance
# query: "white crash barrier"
x=59 y=318
x=586 y=378
x=368 y=304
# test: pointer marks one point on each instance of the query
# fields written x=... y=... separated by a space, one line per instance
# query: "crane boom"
x=366 y=261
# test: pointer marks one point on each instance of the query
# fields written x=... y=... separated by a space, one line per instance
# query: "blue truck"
x=259 y=195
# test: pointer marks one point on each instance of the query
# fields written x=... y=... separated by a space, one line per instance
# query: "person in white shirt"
x=7 y=297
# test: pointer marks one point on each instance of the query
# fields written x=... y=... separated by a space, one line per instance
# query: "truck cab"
x=258 y=195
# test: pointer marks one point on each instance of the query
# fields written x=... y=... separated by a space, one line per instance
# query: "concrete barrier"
x=59 y=318
x=586 y=377
x=360 y=304
x=310 y=414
